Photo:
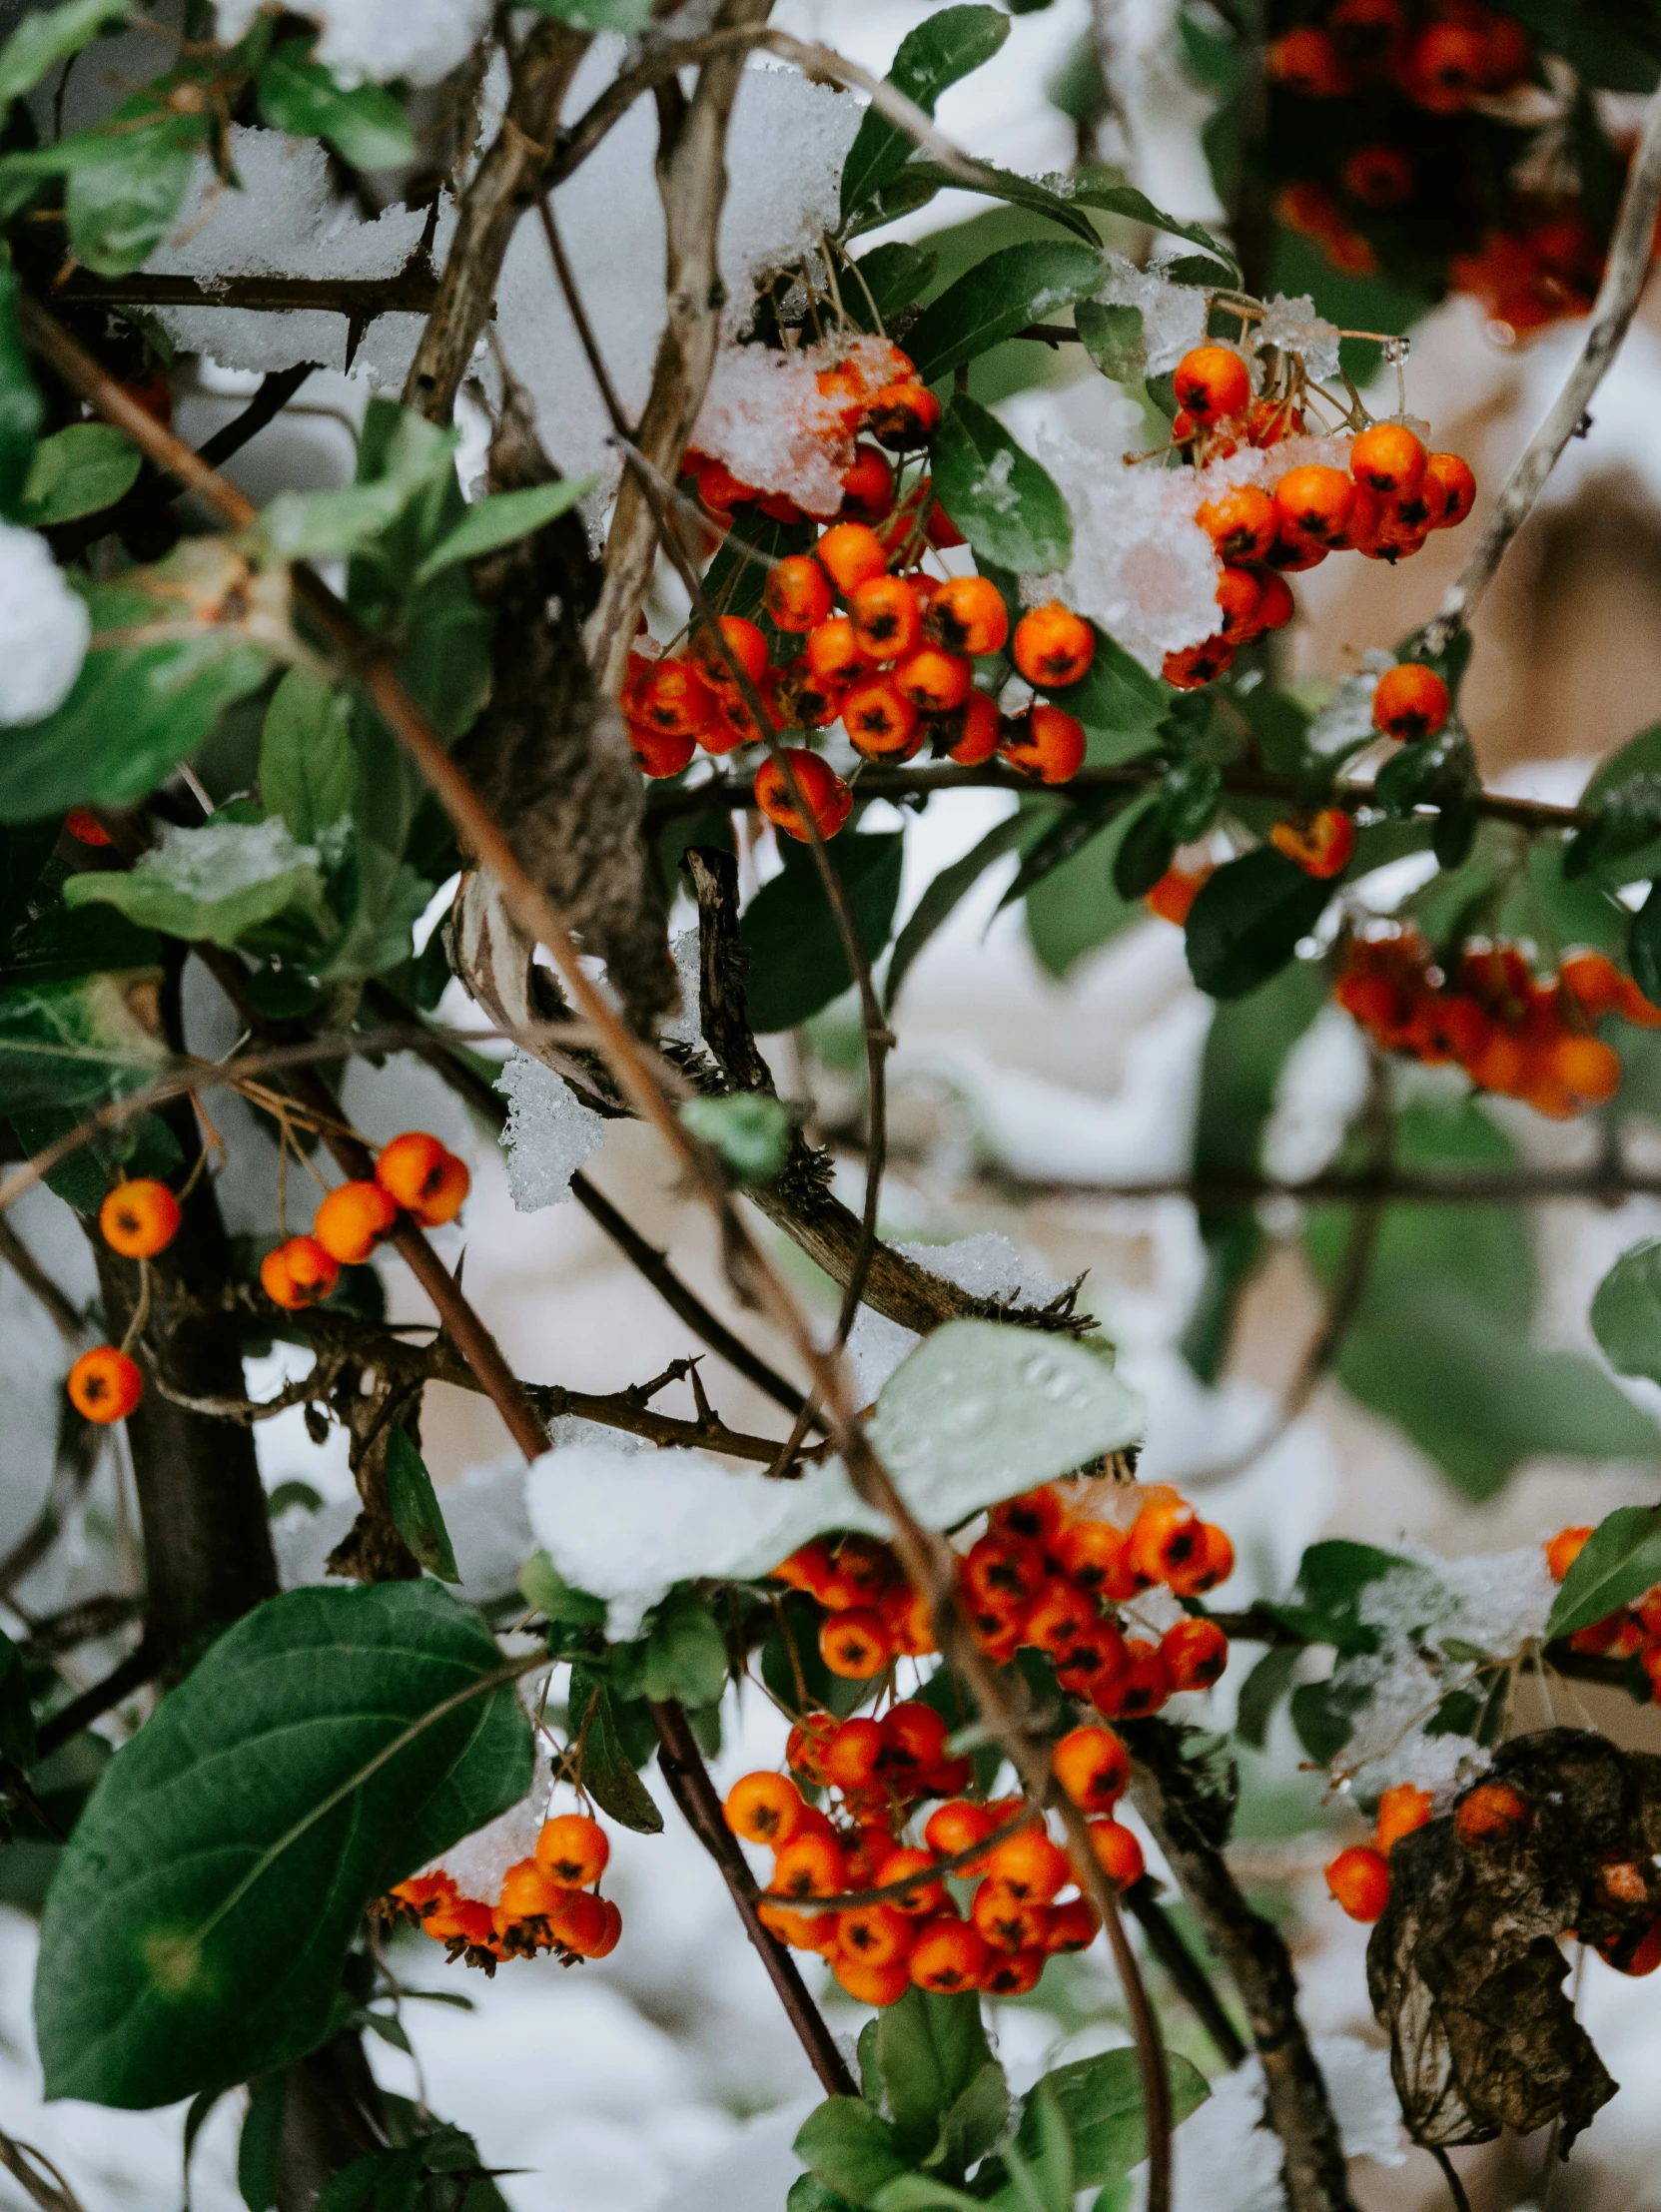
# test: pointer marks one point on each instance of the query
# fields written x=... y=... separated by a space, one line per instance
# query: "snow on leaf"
x=1172 y=316
x=44 y=628
x=218 y=882
x=421 y=40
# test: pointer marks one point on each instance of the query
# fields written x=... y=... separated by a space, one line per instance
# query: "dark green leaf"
x=1324 y=1606
x=498 y=520
x=327 y=1743
x=1623 y=840
x=608 y=1773
x=1101 y=2102
x=1188 y=799
x=416 y=1509
x=850 y=2149
x=44 y=39
x=750 y=1130
x=1077 y=906
x=1639 y=756
x=1435 y=770
x=1247 y=921
x=1262 y=1692
x=945 y=891
x=120 y=210
x=1610 y=45
x=1113 y=338
x=78 y=470
x=796 y=958
x=1643 y=946
x=365 y=125
x=1115 y=692
x=993 y=183
x=686 y=1654
x=1000 y=296
x=1620 y=1561
x=928 y=2048
x=1324 y=1715
x=999 y=497
x=1145 y=851
x=1099 y=188
x=975 y=2118
x=66 y=943
x=943 y=48
x=78 y=1043
x=308 y=769
x=260 y=2146
x=894 y=275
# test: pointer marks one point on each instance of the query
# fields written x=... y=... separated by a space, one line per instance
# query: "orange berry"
x=1493 y=1812
x=1015 y=1975
x=968 y=615
x=1194 y=666
x=805 y=701
x=1034 y=1517
x=1593 y=981
x=85 y=828
x=1401 y=1811
x=763 y=1808
x=887 y=617
x=850 y=1756
x=1006 y=1921
x=1062 y=1618
x=933 y=680
x=1071 y=1927
x=1308 y=62
x=1030 y=1865
x=1093 y=1767
x=826 y=796
x=1389 y=460
x=851 y=553
x=1053 y=645
x=1118 y=1852
x=1238 y=593
x=868 y=487
x=1173 y=894
x=1564 y=1549
x=803 y=1931
x=104 y=1385
x=1587 y=1068
x=1321 y=843
x=949 y=1956
x=1166 y=1535
x=981 y=727
x=1447 y=68
x=1141 y=1687
x=957 y=1825
x=139 y=1218
x=1315 y=500
x=1411 y=701
x=572 y=1849
x=297 y=1273
x=1211 y=383
x=1360 y=1881
x=878 y=719
x=1293 y=552
x=1448 y=490
x=676 y=699
x=528 y=1893
x=867 y=1984
x=577 y=1919
x=796 y=593
x=610 y=1934
x=1045 y=742
x=925 y=1895
x=1194 y=1653
x=809 y=1865
x=875 y=1933
x=353 y=1219
x=908 y=1620
x=1087 y=1666
x=742 y=640
x=903 y=415
x=658 y=755
x=1242 y=522
x=835 y=654
x=855 y=1644
x=1094 y=1555
x=410 y=1169
x=1378 y=176
x=719 y=490
x=1211 y=1564
x=914 y=1737
x=1365 y=512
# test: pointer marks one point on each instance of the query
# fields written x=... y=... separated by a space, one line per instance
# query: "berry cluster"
x=877 y=1773
x=138 y=1220
x=1513 y=1033
x=1359 y=1878
x=414 y=1175
x=1632 y=1632
x=1384 y=503
x=548 y=1902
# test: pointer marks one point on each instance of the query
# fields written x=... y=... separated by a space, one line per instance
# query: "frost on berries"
x=1172 y=316
x=550 y=1133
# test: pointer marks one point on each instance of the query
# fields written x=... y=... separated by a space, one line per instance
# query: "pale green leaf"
x=496 y=521
x=51 y=36
x=219 y=882
x=78 y=470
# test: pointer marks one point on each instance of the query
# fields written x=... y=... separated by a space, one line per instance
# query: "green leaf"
x=796 y=960
x=926 y=178
x=944 y=894
x=1620 y=1561
x=1115 y=692
x=1100 y=188
x=981 y=1409
x=1324 y=1607
x=850 y=2148
x=498 y=520
x=20 y=408
x=1188 y=799
x=996 y=494
x=1623 y=840
x=65 y=944
x=1100 y=2100
x=1145 y=851
x=1643 y=945
x=924 y=2193
x=366 y=126
x=686 y=1654
x=40 y=40
x=608 y=1773
x=1000 y=296
x=414 y=1507
x=1639 y=756
x=1262 y=1691
x=1113 y=338
x=630 y=16
x=975 y=2118
x=1247 y=920
x=307 y=768
x=929 y=2049
x=78 y=1043
x=1077 y=906
x=327 y=1743
x=945 y=47
x=1626 y=1312
x=120 y=210
x=17 y=1720
x=260 y=2146
x=543 y=1586
x=78 y=470
x=221 y=882
x=750 y=1130
x=894 y=275
x=406 y=477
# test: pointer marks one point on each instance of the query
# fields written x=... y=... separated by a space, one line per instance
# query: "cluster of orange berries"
x=415 y=1173
x=880 y=1771
x=1440 y=60
x=548 y=1902
x=1392 y=496
x=1042 y=1577
x=1513 y=1033
x=1360 y=1877
x=1632 y=1632
x=138 y=1220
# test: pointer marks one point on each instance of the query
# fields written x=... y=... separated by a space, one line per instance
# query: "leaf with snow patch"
x=1005 y=504
x=982 y=1409
x=220 y=883
x=993 y=183
x=1112 y=337
x=42 y=40
x=498 y=520
x=364 y=124
x=79 y=1042
x=892 y=276
x=944 y=48
x=78 y=470
x=997 y=297
x=1620 y=1561
x=1622 y=842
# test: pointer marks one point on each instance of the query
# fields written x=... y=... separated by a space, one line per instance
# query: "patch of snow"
x=1172 y=316
x=687 y=1026
x=1320 y=1091
x=222 y=858
x=550 y=1134
x=477 y=1863
x=44 y=628
x=1295 y=328
x=987 y=1265
x=421 y=40
x=766 y=417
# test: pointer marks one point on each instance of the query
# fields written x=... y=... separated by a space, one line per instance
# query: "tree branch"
x=140 y=1665
x=1192 y=1982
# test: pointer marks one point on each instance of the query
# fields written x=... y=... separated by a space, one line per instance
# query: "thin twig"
x=36 y=2175
x=1192 y=1982
x=1624 y=278
x=140 y=1665
x=1455 y=2187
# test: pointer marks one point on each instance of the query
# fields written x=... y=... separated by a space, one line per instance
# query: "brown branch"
x=1624 y=278
x=37 y=2177
x=689 y=1785
x=1600 y=1184
x=1193 y=1984
x=412 y=290
x=1185 y=1824
x=85 y=1621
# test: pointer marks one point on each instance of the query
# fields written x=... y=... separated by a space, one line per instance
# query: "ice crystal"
x=421 y=40
x=549 y=1133
x=1172 y=316
x=44 y=628
x=1295 y=328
